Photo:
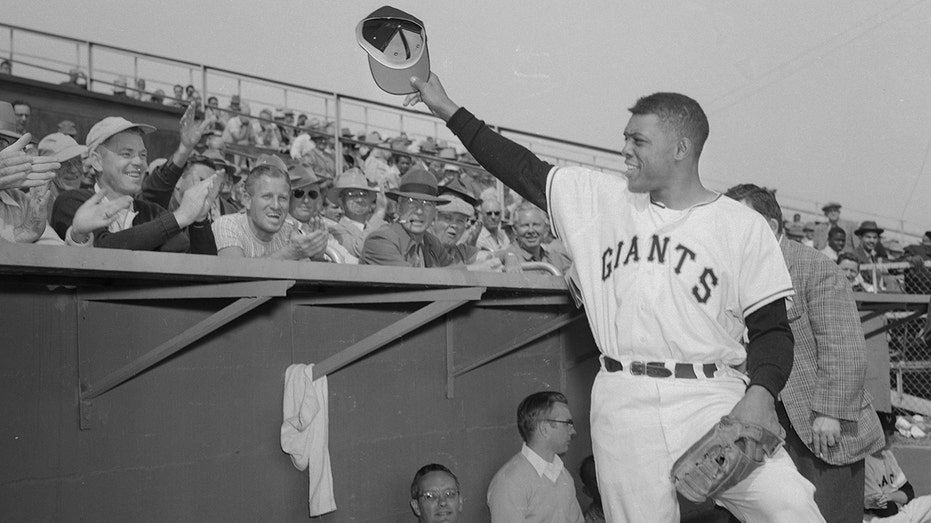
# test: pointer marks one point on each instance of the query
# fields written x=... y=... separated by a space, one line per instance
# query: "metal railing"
x=104 y=64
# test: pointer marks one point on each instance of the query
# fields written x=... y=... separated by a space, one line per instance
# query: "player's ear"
x=683 y=148
x=415 y=507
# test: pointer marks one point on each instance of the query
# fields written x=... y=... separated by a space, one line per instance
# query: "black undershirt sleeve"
x=510 y=162
x=769 y=354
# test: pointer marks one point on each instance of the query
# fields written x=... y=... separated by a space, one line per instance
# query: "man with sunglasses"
x=435 y=495
x=363 y=209
x=306 y=207
x=492 y=237
x=534 y=485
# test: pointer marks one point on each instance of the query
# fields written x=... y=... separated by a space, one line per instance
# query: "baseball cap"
x=396 y=43
x=60 y=147
x=457 y=205
x=110 y=126
x=270 y=159
x=302 y=176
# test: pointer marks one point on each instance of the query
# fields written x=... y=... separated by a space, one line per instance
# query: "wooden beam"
x=277 y=288
x=900 y=321
x=525 y=301
x=454 y=294
x=553 y=325
x=381 y=338
x=198 y=331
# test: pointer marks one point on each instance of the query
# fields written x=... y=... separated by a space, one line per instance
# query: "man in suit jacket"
x=829 y=420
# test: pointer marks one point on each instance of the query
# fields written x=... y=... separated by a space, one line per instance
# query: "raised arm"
x=511 y=163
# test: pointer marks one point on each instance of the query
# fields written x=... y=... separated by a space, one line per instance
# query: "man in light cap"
x=363 y=210
x=308 y=193
x=66 y=151
x=262 y=231
x=118 y=154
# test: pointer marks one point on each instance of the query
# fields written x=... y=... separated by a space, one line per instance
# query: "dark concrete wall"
x=52 y=103
x=196 y=438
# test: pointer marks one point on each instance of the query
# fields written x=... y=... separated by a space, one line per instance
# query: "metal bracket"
x=257 y=293
x=394 y=331
x=551 y=326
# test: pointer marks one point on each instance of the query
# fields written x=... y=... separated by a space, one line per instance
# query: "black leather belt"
x=657 y=369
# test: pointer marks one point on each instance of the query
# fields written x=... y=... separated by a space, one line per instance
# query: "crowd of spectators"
x=872 y=263
x=265 y=186
x=433 y=204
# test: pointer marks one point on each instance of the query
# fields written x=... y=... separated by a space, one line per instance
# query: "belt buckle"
x=638 y=368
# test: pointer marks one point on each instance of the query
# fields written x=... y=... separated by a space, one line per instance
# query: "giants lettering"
x=659 y=247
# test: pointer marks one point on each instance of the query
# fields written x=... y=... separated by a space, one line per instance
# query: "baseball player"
x=671 y=275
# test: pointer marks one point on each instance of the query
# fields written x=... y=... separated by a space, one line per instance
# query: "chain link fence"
x=909 y=351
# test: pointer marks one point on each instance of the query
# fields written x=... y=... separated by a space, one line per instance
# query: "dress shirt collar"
x=551 y=470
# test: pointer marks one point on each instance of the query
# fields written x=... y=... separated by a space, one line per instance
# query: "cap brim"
x=69 y=152
x=398 y=81
x=416 y=195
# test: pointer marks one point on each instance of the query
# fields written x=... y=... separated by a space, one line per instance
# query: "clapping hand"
x=96 y=214
x=308 y=245
x=20 y=170
x=192 y=130
x=33 y=219
x=196 y=202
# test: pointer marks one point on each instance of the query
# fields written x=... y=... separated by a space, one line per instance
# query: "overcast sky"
x=823 y=100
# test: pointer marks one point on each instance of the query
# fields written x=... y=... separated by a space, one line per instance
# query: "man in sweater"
x=534 y=485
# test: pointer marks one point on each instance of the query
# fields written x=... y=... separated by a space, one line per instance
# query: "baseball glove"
x=722 y=458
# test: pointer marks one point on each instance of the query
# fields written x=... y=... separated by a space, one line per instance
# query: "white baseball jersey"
x=660 y=284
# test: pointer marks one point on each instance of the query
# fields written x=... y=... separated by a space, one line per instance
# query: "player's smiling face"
x=648 y=153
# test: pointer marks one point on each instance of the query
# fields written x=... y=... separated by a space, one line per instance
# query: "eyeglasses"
x=414 y=202
x=299 y=193
x=357 y=194
x=568 y=422
x=437 y=495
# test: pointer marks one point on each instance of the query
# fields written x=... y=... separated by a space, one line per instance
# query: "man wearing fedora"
x=363 y=208
x=409 y=242
x=871 y=250
x=304 y=211
x=831 y=210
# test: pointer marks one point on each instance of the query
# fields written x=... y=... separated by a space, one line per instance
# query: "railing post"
x=203 y=83
x=338 y=149
x=90 y=65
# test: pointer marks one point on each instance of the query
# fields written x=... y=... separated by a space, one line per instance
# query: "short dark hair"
x=423 y=471
x=678 y=113
x=534 y=408
x=760 y=199
x=847 y=256
x=836 y=230
x=263 y=170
